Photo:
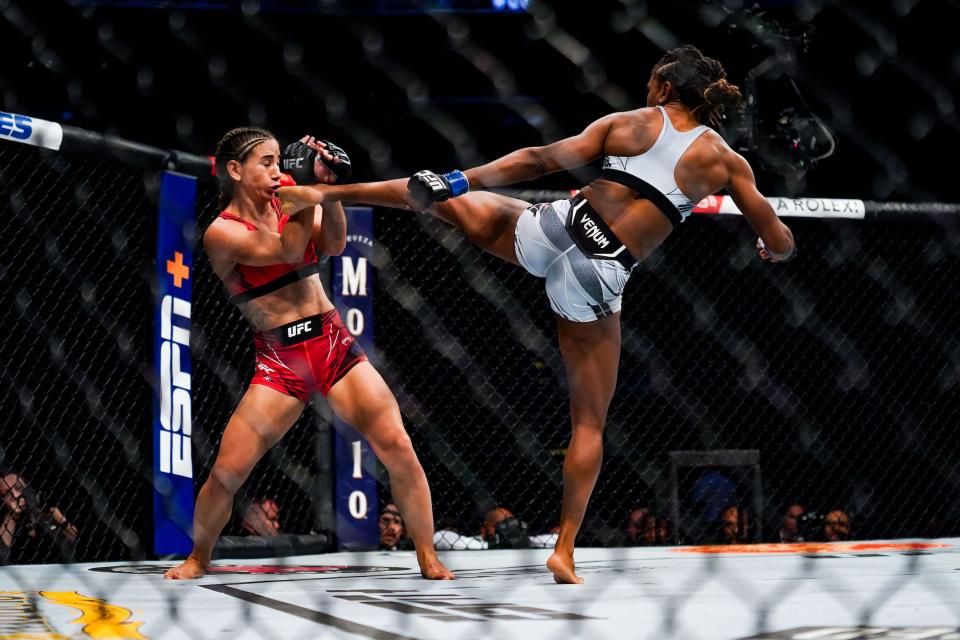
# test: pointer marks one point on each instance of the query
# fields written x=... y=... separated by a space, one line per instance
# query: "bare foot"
x=561 y=566
x=293 y=199
x=433 y=569
x=189 y=569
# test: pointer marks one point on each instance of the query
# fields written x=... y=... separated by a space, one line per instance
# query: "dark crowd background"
x=841 y=368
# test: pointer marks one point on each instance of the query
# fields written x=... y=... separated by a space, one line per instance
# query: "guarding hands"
x=309 y=161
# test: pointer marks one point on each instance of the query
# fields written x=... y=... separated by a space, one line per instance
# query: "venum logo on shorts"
x=175 y=397
x=589 y=230
x=592 y=232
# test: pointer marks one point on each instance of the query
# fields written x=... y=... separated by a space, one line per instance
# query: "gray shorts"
x=580 y=288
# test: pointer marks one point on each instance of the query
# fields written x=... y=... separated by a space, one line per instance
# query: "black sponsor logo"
x=449 y=607
x=861 y=633
x=258 y=569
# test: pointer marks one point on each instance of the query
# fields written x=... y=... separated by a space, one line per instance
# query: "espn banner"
x=172 y=415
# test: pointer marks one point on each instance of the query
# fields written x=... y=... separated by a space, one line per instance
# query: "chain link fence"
x=817 y=397
x=76 y=266
x=840 y=369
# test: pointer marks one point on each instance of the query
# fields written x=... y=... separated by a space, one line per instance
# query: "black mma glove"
x=299 y=158
x=340 y=165
x=427 y=187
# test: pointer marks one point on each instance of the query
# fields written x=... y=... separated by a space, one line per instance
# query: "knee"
x=591 y=428
x=228 y=477
x=395 y=447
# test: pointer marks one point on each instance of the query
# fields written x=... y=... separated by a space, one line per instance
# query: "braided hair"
x=236 y=144
x=700 y=82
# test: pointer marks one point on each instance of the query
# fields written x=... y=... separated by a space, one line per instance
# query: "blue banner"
x=356 y=487
x=172 y=415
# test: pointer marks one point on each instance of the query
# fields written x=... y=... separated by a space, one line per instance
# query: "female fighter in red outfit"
x=267 y=260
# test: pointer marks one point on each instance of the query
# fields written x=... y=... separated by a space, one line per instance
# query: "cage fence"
x=809 y=401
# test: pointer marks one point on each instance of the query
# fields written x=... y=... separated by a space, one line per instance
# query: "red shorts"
x=306 y=356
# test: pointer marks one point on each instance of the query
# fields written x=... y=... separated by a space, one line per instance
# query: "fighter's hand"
x=336 y=160
x=312 y=161
x=427 y=187
x=767 y=256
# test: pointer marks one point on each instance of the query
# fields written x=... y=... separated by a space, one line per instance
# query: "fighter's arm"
x=532 y=162
x=776 y=240
x=228 y=241
x=389 y=193
x=330 y=229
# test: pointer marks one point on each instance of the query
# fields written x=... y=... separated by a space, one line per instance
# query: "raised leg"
x=363 y=399
x=259 y=422
x=489 y=220
x=591 y=353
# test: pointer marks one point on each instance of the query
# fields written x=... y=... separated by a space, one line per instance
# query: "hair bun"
x=721 y=93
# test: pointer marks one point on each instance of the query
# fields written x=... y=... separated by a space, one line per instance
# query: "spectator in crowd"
x=636 y=524
x=815 y=526
x=713 y=492
x=790 y=528
x=501 y=529
x=836 y=526
x=494 y=517
x=393 y=534
x=646 y=528
x=26 y=520
x=261 y=517
x=734 y=525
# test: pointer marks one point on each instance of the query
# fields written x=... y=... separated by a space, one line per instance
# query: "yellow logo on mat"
x=99 y=618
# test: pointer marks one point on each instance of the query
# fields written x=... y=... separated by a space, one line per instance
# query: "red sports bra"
x=245 y=282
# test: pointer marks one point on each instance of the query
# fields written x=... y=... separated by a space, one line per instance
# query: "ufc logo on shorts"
x=175 y=400
x=299 y=328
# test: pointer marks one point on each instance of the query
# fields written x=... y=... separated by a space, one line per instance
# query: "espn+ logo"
x=15 y=126
x=175 y=398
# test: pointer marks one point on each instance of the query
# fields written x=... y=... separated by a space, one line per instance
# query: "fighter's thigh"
x=362 y=399
x=259 y=422
x=591 y=353
x=488 y=219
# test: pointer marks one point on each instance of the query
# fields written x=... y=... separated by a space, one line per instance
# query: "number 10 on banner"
x=357 y=503
x=356 y=487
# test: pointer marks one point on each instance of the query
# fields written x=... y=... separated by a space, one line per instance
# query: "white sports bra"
x=651 y=173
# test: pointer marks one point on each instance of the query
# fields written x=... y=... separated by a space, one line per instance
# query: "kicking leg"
x=363 y=399
x=259 y=421
x=591 y=353
x=489 y=220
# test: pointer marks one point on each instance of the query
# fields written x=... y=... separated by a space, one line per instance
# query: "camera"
x=510 y=533
x=38 y=519
x=810 y=526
